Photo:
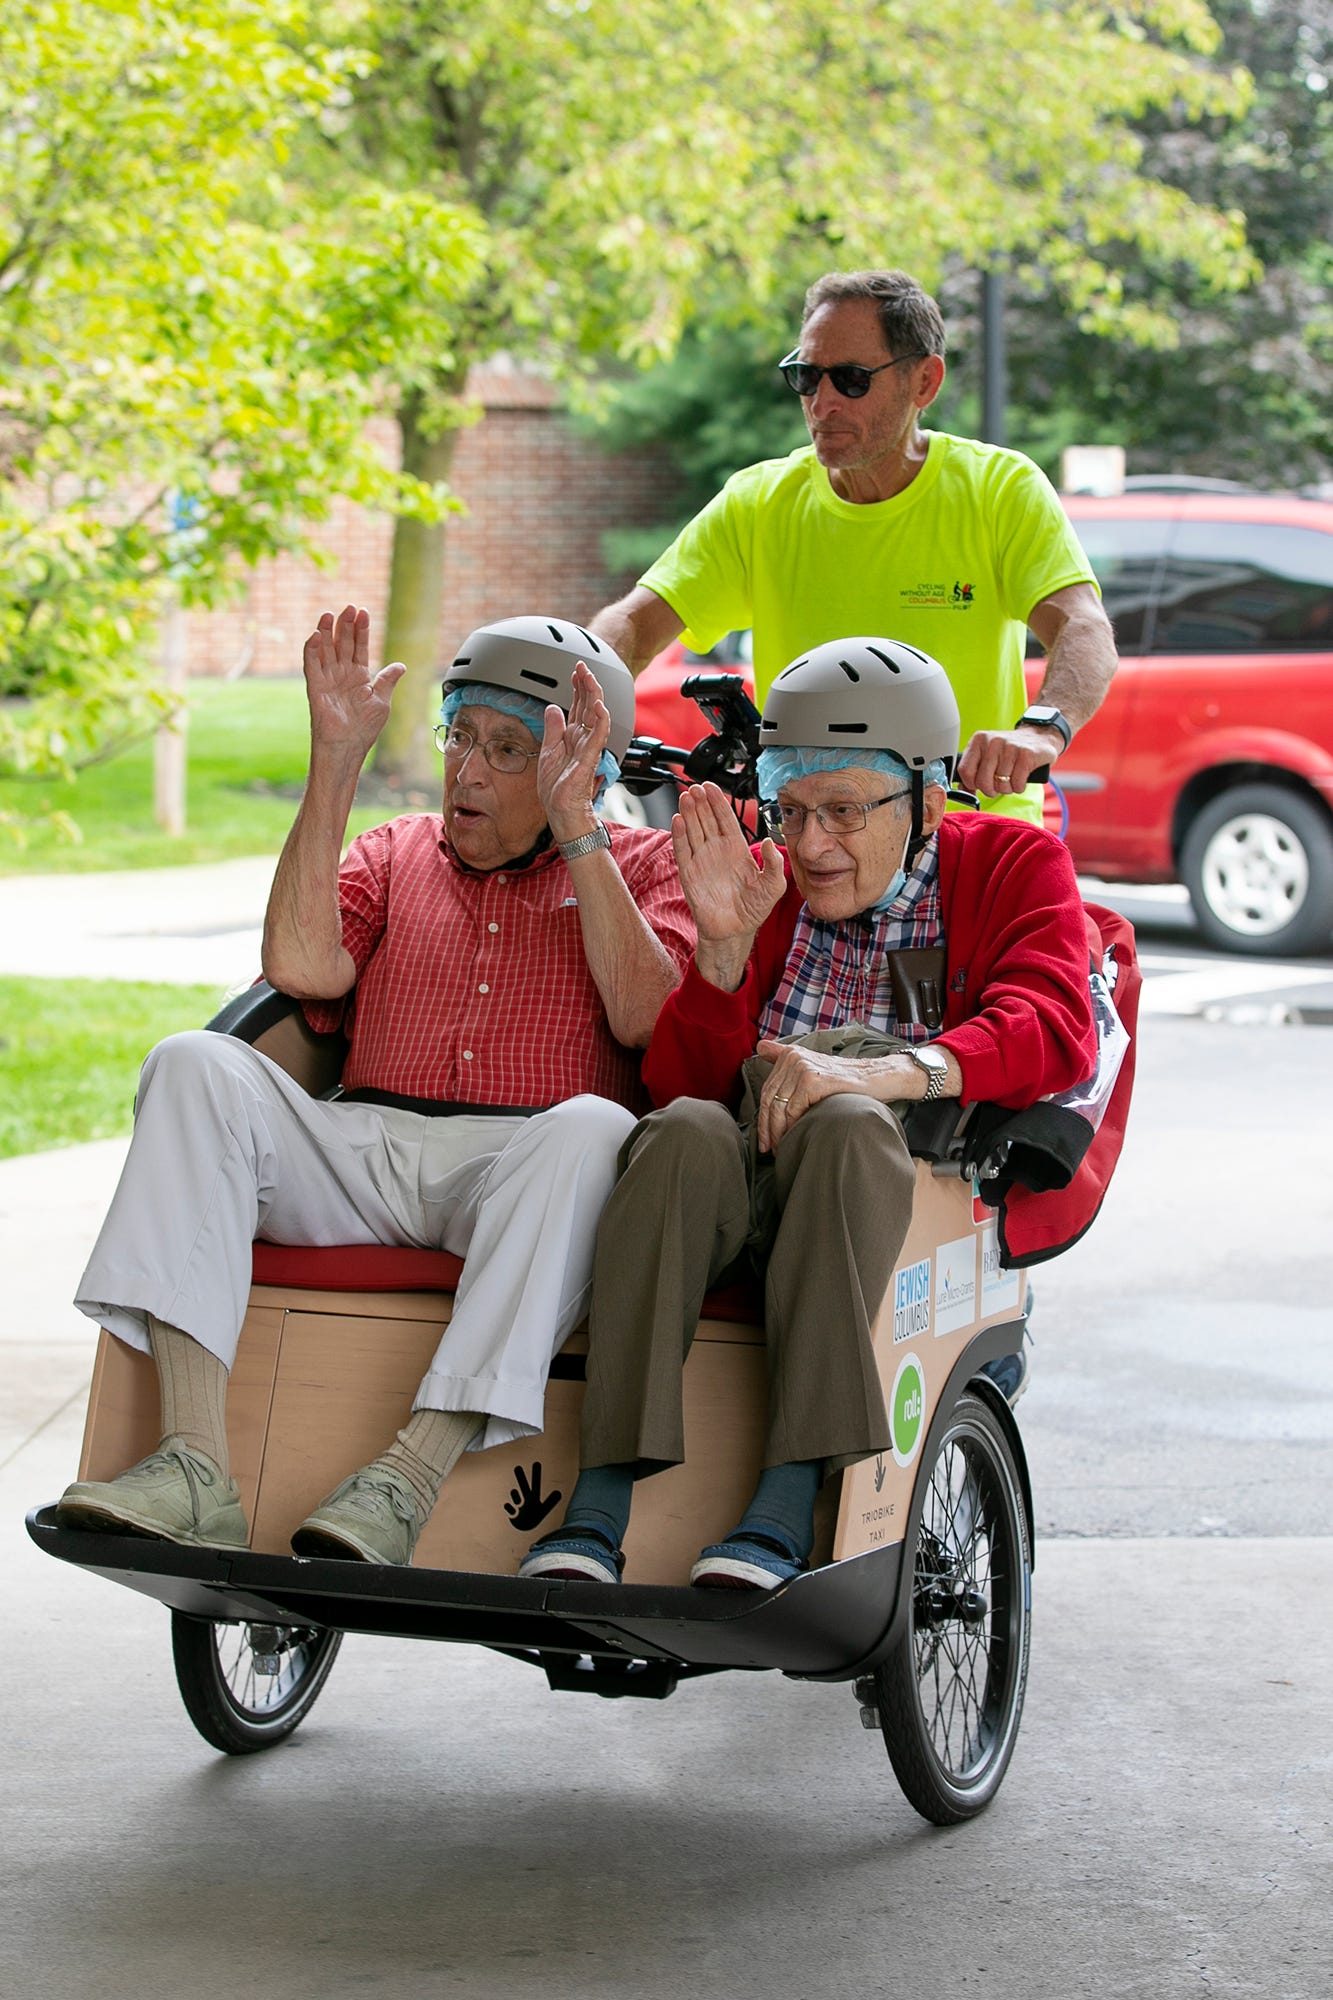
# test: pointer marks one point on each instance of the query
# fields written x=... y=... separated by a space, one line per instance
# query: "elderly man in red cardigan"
x=781 y=1065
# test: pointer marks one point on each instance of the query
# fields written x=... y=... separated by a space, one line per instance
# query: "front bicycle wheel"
x=950 y=1695
x=245 y=1687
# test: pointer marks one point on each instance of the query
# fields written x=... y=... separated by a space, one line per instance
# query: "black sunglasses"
x=849 y=378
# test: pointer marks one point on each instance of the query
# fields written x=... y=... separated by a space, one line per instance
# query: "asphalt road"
x=1183 y=1377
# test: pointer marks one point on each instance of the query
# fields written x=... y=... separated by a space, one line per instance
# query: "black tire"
x=1258 y=863
x=950 y=1695
x=234 y=1703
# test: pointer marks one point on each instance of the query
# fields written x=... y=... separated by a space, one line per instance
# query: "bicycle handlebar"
x=728 y=755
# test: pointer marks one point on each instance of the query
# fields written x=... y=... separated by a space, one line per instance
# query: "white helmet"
x=537 y=657
x=864 y=694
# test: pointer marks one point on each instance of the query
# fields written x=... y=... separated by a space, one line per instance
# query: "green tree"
x=634 y=163
x=185 y=370
x=1244 y=386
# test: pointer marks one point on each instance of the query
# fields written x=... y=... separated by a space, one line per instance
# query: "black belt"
x=434 y=1107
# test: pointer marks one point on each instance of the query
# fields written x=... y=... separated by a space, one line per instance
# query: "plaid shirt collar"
x=836 y=971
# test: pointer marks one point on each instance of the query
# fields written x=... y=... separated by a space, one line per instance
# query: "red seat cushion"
x=383 y=1267
x=356 y=1267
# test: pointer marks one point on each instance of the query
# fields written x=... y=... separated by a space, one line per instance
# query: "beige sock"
x=428 y=1447
x=193 y=1383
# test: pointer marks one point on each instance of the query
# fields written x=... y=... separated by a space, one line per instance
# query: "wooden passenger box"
x=324 y=1378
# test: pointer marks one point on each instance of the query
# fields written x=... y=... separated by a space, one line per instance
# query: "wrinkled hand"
x=567 y=766
x=349 y=705
x=801 y=1077
x=998 y=761
x=728 y=893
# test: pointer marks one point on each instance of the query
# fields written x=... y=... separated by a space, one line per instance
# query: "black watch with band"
x=1039 y=716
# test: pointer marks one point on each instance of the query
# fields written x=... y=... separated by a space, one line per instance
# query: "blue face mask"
x=897 y=882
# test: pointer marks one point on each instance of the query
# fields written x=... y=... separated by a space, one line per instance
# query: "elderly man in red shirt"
x=497 y=967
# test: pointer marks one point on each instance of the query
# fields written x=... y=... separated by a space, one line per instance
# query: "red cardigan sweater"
x=1017 y=1016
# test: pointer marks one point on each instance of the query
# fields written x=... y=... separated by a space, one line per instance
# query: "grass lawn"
x=70 y=1051
x=248 y=745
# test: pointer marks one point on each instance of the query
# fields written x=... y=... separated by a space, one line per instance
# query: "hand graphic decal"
x=526 y=1506
x=879 y=1472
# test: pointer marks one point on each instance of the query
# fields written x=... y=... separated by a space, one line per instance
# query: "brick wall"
x=538 y=497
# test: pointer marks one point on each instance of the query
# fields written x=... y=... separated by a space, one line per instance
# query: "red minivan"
x=1211 y=760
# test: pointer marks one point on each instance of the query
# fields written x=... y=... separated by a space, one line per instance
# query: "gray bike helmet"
x=867 y=694
x=537 y=657
x=864 y=694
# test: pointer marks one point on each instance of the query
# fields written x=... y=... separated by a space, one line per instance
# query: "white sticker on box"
x=955 y=1285
x=1000 y=1289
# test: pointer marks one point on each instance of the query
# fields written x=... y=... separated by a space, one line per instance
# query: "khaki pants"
x=227 y=1146
x=682 y=1218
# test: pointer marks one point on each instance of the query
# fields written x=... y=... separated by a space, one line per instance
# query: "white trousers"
x=228 y=1147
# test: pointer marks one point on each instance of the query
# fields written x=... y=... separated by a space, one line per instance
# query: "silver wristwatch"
x=587 y=843
x=936 y=1065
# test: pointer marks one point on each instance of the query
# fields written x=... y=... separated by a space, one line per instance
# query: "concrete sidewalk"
x=443 y=1824
x=180 y=926
x=51 y=1207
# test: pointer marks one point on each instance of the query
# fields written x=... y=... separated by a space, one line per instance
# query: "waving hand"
x=349 y=705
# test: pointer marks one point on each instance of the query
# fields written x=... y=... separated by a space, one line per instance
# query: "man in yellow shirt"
x=946 y=543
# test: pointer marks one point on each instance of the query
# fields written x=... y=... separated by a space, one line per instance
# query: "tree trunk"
x=405 y=753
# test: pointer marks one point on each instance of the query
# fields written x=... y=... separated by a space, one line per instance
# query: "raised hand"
x=567 y=766
x=729 y=894
x=349 y=705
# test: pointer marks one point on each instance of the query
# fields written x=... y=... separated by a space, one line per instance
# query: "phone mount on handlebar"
x=726 y=757
x=730 y=756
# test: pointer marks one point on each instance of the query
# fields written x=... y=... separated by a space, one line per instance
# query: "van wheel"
x=1258 y=864
x=247 y=1686
x=950 y=1694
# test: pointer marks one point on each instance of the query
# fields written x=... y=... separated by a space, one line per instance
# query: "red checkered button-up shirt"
x=474 y=988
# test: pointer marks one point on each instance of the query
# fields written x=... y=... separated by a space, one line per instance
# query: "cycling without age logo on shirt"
x=957 y=596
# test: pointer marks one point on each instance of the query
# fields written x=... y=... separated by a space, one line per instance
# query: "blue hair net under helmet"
x=779 y=767
x=525 y=709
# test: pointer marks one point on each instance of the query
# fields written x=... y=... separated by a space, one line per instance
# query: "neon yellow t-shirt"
x=952 y=564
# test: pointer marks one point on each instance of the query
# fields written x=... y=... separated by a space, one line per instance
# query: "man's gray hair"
x=910 y=319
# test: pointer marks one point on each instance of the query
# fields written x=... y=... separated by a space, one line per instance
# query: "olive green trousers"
x=823 y=1220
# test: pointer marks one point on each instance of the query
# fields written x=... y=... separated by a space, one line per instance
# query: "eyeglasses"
x=849 y=378
x=839 y=818
x=499 y=751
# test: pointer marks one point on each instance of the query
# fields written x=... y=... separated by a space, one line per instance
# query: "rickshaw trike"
x=919 y=1591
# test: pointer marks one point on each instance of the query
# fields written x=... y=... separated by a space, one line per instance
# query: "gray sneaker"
x=372 y=1517
x=173 y=1495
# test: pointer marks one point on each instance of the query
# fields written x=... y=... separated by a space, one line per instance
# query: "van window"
x=1126 y=557
x=1241 y=587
